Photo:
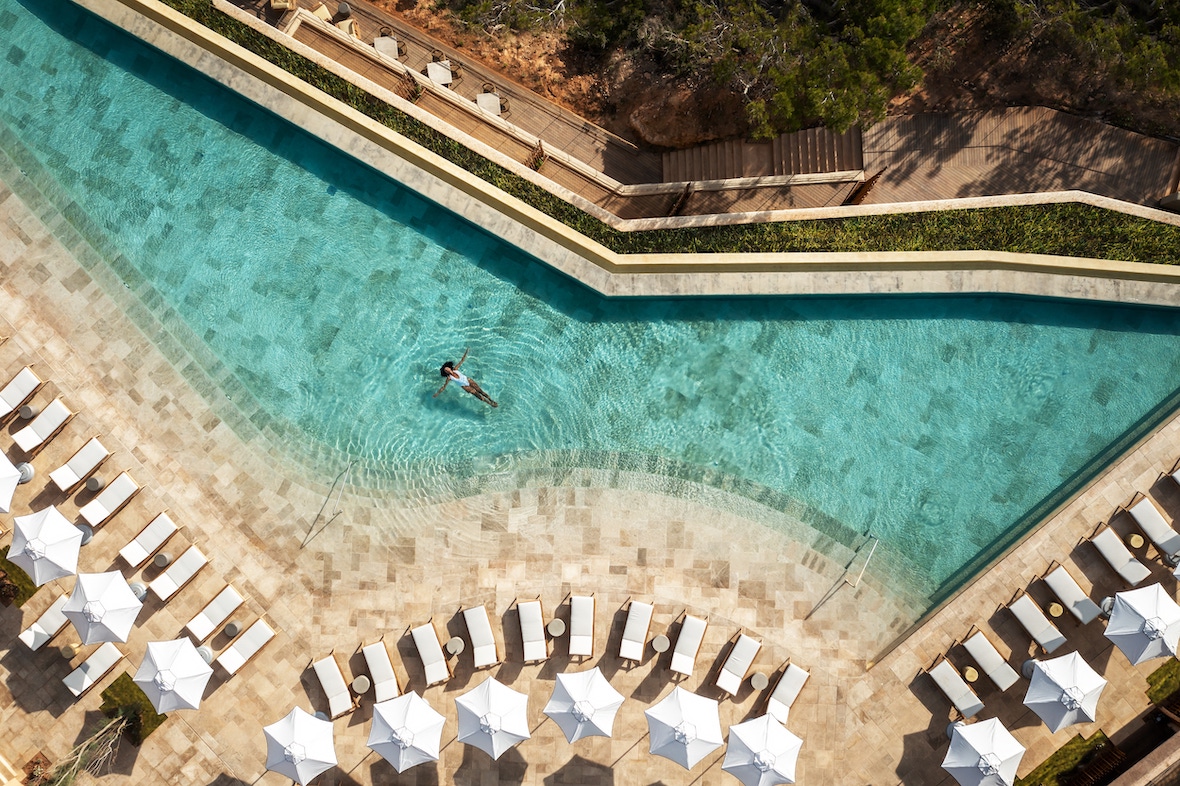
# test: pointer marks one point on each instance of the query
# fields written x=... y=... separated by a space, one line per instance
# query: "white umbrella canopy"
x=1064 y=691
x=9 y=480
x=1144 y=623
x=684 y=727
x=406 y=731
x=584 y=704
x=45 y=545
x=299 y=746
x=102 y=607
x=173 y=675
x=983 y=754
x=493 y=717
x=761 y=752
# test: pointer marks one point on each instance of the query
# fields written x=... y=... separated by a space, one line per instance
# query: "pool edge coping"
x=647 y=275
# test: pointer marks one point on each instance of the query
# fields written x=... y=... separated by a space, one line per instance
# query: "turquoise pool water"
x=330 y=295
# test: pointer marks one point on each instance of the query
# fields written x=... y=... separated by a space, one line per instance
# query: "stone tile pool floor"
x=382 y=566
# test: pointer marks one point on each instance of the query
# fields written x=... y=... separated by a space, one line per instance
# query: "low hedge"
x=25 y=586
x=1052 y=771
x=1065 y=230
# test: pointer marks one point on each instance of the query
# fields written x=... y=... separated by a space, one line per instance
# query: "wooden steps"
x=814 y=151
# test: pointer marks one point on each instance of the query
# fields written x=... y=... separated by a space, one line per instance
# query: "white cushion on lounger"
x=729 y=679
x=93 y=669
x=178 y=574
x=989 y=659
x=956 y=688
x=785 y=693
x=635 y=631
x=1044 y=632
x=1072 y=596
x=148 y=540
x=1119 y=557
x=245 y=647
x=18 y=390
x=483 y=642
x=430 y=650
x=335 y=688
x=385 y=685
x=582 y=625
x=81 y=464
x=45 y=627
x=688 y=643
x=532 y=630
x=43 y=426
x=1151 y=521
x=109 y=500
x=215 y=612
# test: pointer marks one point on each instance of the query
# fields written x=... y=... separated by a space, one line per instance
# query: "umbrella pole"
x=362 y=761
x=616 y=761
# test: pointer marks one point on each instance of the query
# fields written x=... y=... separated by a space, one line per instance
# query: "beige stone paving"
x=385 y=564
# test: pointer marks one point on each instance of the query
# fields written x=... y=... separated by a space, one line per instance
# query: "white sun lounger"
x=331 y=679
x=778 y=706
x=93 y=669
x=179 y=573
x=245 y=647
x=688 y=644
x=581 y=640
x=149 y=540
x=955 y=688
x=532 y=630
x=1072 y=596
x=430 y=650
x=45 y=627
x=1044 y=632
x=215 y=612
x=635 y=631
x=44 y=427
x=980 y=647
x=385 y=685
x=1118 y=556
x=110 y=500
x=18 y=391
x=1154 y=526
x=89 y=457
x=483 y=642
x=741 y=657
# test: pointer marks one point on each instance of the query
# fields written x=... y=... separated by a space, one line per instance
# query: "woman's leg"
x=474 y=389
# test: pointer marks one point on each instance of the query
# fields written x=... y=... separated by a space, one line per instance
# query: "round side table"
x=233 y=629
x=759 y=681
x=27 y=412
x=162 y=560
x=556 y=628
x=456 y=645
x=94 y=483
x=970 y=674
x=1135 y=540
x=660 y=643
x=1056 y=609
x=361 y=685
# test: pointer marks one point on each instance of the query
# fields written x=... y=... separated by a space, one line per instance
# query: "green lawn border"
x=18 y=577
x=126 y=699
x=1064 y=761
x=1071 y=230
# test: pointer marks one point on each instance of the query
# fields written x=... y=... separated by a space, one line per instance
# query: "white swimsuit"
x=461 y=380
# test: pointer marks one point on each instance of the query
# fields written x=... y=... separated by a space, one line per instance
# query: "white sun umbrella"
x=173 y=675
x=983 y=754
x=1144 y=623
x=406 y=731
x=684 y=727
x=9 y=480
x=761 y=752
x=584 y=704
x=102 y=607
x=45 y=545
x=299 y=746
x=1064 y=691
x=492 y=717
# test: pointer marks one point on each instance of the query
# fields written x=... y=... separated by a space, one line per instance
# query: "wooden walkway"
x=923 y=157
x=1014 y=151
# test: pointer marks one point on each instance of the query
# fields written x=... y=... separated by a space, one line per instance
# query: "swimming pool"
x=324 y=297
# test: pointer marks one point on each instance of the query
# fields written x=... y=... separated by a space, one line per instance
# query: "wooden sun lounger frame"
x=353 y=701
x=593 y=623
x=1143 y=573
x=725 y=674
x=253 y=655
x=1174 y=536
x=696 y=651
x=773 y=703
x=1001 y=673
x=213 y=628
x=36 y=449
x=544 y=637
x=82 y=478
x=1083 y=609
x=157 y=549
x=28 y=397
x=180 y=587
x=965 y=691
x=629 y=603
x=446 y=661
x=497 y=651
x=379 y=693
x=118 y=508
x=1052 y=626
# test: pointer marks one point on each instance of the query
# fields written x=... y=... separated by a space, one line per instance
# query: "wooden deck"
x=1013 y=151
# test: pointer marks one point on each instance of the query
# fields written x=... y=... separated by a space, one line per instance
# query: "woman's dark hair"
x=450 y=364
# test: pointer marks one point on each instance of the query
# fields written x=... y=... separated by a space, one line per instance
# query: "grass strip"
x=124 y=698
x=18 y=577
x=1052 y=771
x=1164 y=681
x=1064 y=230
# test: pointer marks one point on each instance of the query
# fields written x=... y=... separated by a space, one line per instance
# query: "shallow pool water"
x=332 y=294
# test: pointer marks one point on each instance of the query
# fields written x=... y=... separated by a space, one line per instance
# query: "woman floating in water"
x=450 y=373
